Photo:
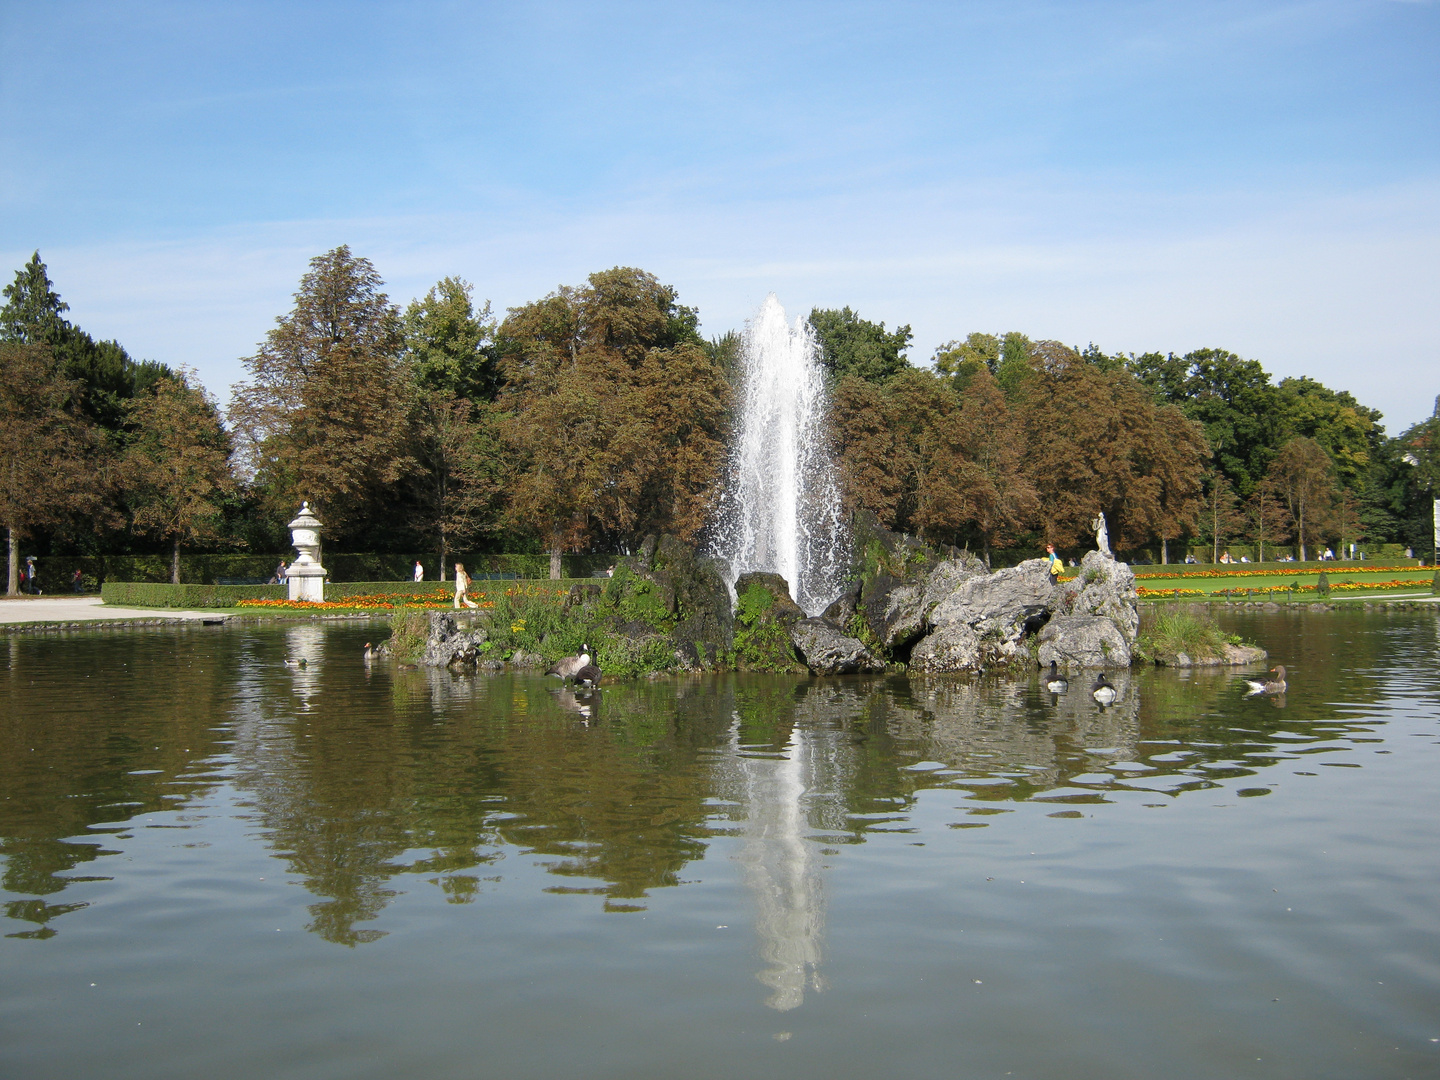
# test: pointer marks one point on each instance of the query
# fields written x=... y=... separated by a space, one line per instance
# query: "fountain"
x=781 y=508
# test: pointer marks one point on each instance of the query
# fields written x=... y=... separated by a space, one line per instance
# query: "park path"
x=68 y=609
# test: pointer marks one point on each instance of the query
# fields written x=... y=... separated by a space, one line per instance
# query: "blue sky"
x=1256 y=176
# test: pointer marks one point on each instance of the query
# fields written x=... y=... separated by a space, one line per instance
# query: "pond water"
x=215 y=865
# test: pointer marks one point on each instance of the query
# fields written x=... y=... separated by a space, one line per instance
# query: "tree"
x=1097 y=442
x=997 y=496
x=1232 y=400
x=850 y=345
x=177 y=465
x=1267 y=518
x=461 y=468
x=108 y=377
x=1221 y=518
x=449 y=345
x=1303 y=475
x=47 y=449
x=323 y=416
x=871 y=461
x=615 y=413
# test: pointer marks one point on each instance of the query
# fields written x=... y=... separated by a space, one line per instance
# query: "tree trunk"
x=1164 y=552
x=175 y=563
x=444 y=554
x=555 y=563
x=13 y=589
x=1300 y=532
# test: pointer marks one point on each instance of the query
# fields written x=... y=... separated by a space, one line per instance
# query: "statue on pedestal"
x=1102 y=537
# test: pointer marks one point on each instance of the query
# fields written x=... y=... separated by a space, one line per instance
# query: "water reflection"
x=359 y=778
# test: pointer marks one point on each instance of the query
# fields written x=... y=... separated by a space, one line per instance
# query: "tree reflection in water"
x=357 y=775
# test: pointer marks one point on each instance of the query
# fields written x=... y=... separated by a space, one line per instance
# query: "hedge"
x=164 y=595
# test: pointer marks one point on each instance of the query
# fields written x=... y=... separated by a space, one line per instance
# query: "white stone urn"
x=306 y=576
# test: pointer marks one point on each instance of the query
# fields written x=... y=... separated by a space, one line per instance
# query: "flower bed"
x=1336 y=586
x=391 y=601
x=1329 y=568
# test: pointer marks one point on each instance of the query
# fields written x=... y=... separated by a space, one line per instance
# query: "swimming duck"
x=369 y=652
x=1104 y=691
x=297 y=665
x=568 y=667
x=1270 y=686
x=589 y=675
x=1057 y=683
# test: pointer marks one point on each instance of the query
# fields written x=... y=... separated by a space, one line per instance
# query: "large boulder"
x=667 y=589
x=1102 y=586
x=894 y=610
x=765 y=613
x=826 y=650
x=1083 y=641
x=953 y=647
x=1006 y=603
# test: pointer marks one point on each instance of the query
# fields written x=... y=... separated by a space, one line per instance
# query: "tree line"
x=598 y=414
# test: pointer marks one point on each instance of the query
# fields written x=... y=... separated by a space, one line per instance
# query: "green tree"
x=449 y=345
x=850 y=345
x=48 y=451
x=108 y=377
x=324 y=414
x=1304 y=476
x=176 y=468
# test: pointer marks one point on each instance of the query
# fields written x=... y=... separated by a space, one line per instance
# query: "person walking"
x=462 y=587
x=1055 y=565
x=78 y=581
x=27 y=577
x=419 y=571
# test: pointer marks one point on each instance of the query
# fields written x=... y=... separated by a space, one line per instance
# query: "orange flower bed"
x=1339 y=586
x=1340 y=568
x=391 y=601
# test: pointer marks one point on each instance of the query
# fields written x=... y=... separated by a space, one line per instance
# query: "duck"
x=297 y=665
x=369 y=652
x=569 y=667
x=589 y=675
x=1057 y=683
x=1104 y=691
x=1269 y=686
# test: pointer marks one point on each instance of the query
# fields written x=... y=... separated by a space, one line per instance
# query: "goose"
x=369 y=652
x=1271 y=686
x=1057 y=683
x=568 y=667
x=589 y=675
x=1103 y=691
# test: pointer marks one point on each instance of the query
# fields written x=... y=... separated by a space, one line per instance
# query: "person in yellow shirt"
x=1055 y=564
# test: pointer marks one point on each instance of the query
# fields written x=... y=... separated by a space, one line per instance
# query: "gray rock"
x=998 y=604
x=894 y=610
x=952 y=647
x=1104 y=587
x=1083 y=641
x=522 y=659
x=827 y=651
x=447 y=645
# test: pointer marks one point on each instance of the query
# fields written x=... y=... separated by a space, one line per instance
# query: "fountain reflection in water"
x=781 y=868
x=781 y=509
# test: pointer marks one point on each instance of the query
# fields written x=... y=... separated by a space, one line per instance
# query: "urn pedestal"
x=306 y=576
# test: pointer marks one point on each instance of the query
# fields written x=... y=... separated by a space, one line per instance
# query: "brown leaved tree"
x=324 y=414
x=176 y=467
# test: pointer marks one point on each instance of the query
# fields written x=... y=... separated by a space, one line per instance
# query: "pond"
x=217 y=865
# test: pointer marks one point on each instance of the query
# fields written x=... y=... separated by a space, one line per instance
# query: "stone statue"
x=1102 y=537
